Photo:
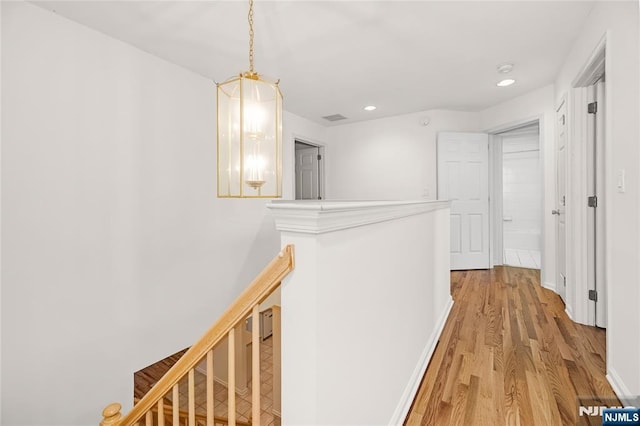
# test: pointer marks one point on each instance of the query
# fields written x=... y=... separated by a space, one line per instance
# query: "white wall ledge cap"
x=318 y=217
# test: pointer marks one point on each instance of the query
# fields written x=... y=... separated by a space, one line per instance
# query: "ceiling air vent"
x=334 y=117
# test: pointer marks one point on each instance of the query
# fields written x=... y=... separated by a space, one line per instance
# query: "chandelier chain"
x=250 y=17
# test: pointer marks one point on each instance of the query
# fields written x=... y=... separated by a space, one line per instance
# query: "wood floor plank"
x=509 y=355
x=459 y=405
x=472 y=400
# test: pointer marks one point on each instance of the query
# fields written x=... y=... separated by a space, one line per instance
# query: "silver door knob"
x=555 y=212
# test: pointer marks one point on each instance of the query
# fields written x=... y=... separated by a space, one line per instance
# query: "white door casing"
x=463 y=178
x=560 y=210
x=307 y=174
x=600 y=236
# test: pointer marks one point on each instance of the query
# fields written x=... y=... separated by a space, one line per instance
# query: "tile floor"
x=522 y=258
x=146 y=378
x=243 y=402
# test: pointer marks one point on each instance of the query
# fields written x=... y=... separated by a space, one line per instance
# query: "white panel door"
x=596 y=275
x=307 y=174
x=601 y=288
x=560 y=211
x=463 y=178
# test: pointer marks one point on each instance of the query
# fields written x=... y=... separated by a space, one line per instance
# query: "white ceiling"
x=338 y=56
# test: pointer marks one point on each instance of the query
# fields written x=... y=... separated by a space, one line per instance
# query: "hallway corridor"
x=509 y=355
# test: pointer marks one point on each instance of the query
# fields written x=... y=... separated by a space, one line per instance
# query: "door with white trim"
x=307 y=172
x=595 y=263
x=560 y=210
x=463 y=178
x=600 y=237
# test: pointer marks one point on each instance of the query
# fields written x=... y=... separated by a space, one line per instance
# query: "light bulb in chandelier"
x=254 y=114
x=255 y=170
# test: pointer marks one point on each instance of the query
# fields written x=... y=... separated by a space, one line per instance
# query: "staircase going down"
x=161 y=405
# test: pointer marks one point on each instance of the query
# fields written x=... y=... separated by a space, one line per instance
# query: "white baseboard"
x=549 y=286
x=622 y=391
x=569 y=312
x=410 y=391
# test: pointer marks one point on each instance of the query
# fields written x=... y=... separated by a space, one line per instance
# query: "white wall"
x=363 y=309
x=1 y=326
x=619 y=21
x=116 y=251
x=390 y=158
x=538 y=104
x=395 y=158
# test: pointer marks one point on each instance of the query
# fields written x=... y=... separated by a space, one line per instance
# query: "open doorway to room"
x=521 y=197
x=309 y=171
x=517 y=196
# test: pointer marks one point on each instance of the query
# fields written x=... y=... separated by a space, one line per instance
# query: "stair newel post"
x=111 y=415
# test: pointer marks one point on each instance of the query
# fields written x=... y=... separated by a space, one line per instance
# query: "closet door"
x=463 y=178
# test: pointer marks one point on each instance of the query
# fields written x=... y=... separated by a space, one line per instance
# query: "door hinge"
x=593 y=295
x=592 y=108
x=319 y=157
x=592 y=201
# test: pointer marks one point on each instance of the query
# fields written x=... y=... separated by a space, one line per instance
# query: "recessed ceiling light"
x=369 y=108
x=505 y=68
x=506 y=82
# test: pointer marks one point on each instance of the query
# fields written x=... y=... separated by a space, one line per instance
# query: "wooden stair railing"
x=247 y=303
x=183 y=418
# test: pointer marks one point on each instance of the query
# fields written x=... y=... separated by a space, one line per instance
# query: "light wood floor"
x=509 y=355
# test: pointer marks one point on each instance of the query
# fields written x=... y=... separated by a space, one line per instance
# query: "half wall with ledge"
x=363 y=309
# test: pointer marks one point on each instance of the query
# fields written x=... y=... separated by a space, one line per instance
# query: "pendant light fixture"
x=249 y=125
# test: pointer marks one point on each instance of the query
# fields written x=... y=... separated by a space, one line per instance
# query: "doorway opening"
x=309 y=171
x=517 y=182
x=521 y=197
